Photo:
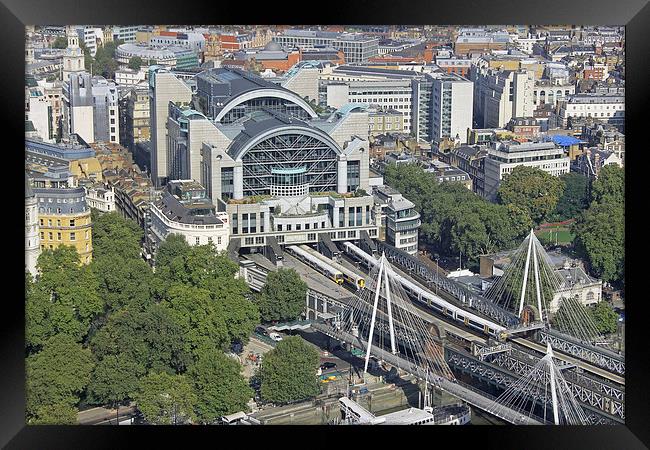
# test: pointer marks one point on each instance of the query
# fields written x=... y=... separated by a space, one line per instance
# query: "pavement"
x=96 y=416
x=250 y=356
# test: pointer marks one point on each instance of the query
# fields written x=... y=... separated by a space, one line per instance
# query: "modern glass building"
x=228 y=95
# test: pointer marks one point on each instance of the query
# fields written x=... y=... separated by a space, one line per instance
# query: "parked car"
x=275 y=336
x=262 y=331
x=328 y=365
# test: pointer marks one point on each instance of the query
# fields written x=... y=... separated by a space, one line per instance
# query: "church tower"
x=73 y=59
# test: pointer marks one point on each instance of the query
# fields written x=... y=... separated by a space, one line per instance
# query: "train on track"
x=331 y=269
x=432 y=301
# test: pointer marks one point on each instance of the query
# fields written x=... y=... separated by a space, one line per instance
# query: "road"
x=99 y=415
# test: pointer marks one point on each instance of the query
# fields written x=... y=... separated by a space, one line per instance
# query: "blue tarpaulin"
x=565 y=141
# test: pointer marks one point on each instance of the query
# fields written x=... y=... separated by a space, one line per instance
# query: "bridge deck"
x=473 y=397
x=577 y=362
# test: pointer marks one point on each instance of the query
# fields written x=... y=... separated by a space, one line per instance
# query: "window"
x=42 y=222
x=298 y=227
x=279 y=227
x=288 y=227
x=197 y=240
x=72 y=222
x=42 y=235
x=58 y=236
x=306 y=226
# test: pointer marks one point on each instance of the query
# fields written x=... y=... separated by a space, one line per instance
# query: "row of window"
x=299 y=226
x=61 y=200
x=582 y=107
x=72 y=236
x=197 y=240
x=588 y=114
x=60 y=223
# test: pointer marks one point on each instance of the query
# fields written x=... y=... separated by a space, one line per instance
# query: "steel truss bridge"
x=501 y=365
x=473 y=397
x=564 y=343
x=602 y=398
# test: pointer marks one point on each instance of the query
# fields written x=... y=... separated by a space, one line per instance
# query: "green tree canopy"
x=177 y=262
x=199 y=318
x=166 y=399
x=150 y=338
x=605 y=318
x=173 y=246
x=531 y=189
x=283 y=296
x=600 y=239
x=57 y=375
x=59 y=414
x=609 y=186
x=124 y=282
x=288 y=372
x=113 y=235
x=60 y=42
x=135 y=63
x=454 y=219
x=114 y=380
x=202 y=273
x=219 y=386
x=65 y=298
x=104 y=62
x=574 y=198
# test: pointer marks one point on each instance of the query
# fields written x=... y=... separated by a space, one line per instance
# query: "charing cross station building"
x=273 y=169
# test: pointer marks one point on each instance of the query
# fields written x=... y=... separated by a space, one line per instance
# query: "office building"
x=504 y=156
x=399 y=220
x=357 y=48
x=452 y=100
x=125 y=33
x=99 y=196
x=135 y=117
x=500 y=95
x=164 y=88
x=434 y=104
x=605 y=108
x=90 y=108
x=185 y=210
x=64 y=219
x=172 y=56
x=190 y=40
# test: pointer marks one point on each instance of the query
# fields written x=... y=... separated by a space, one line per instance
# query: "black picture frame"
x=634 y=14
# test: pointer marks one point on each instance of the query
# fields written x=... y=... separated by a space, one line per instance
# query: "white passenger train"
x=452 y=311
x=349 y=276
x=325 y=268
